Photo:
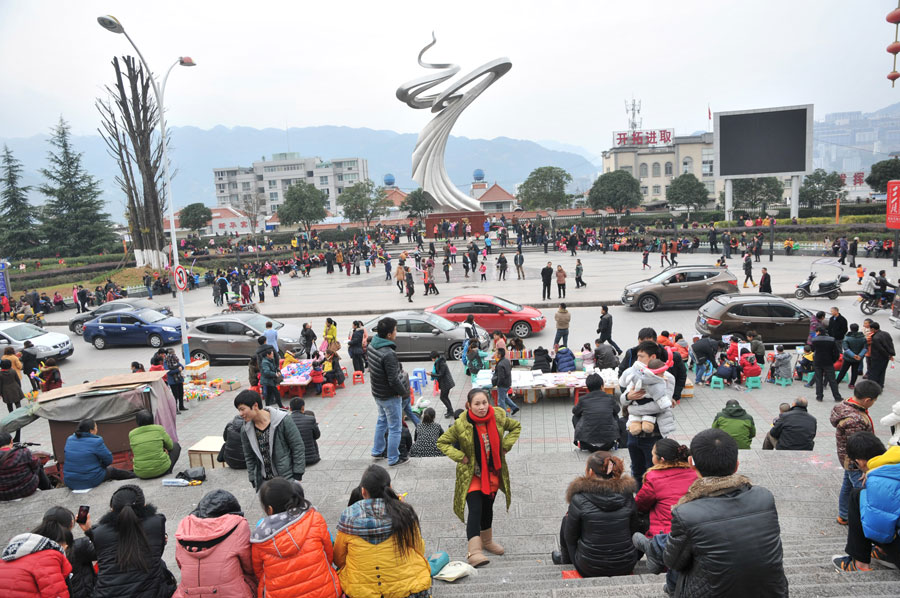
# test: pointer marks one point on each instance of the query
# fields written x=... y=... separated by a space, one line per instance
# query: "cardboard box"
x=231 y=385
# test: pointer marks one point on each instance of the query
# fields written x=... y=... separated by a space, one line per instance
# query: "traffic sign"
x=893 y=204
x=181 y=278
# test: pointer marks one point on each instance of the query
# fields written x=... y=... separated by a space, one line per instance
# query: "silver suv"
x=232 y=336
x=419 y=333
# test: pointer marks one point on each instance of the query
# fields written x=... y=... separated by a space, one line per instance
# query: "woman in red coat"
x=664 y=484
x=35 y=566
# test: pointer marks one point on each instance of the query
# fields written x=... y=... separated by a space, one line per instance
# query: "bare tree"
x=129 y=120
x=253 y=205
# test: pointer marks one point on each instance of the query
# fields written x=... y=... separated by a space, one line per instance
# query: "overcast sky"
x=272 y=64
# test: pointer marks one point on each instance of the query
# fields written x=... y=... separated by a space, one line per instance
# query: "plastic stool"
x=716 y=382
x=420 y=374
x=328 y=390
x=358 y=378
x=416 y=384
x=578 y=392
x=343 y=369
x=784 y=381
x=809 y=377
x=753 y=382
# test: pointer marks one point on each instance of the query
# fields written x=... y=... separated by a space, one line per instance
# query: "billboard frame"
x=809 y=142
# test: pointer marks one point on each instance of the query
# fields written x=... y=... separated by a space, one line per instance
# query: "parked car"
x=47 y=344
x=776 y=319
x=492 y=313
x=144 y=327
x=76 y=324
x=680 y=286
x=232 y=336
x=419 y=333
x=895 y=311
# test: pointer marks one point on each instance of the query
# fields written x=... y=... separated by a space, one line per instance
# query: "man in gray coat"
x=272 y=444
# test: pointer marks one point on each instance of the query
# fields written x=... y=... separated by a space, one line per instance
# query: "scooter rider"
x=881 y=282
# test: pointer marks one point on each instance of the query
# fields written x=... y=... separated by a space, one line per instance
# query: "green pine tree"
x=73 y=218
x=19 y=232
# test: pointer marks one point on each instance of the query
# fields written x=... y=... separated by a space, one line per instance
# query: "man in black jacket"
x=705 y=351
x=308 y=427
x=232 y=451
x=725 y=538
x=837 y=325
x=596 y=418
x=825 y=353
x=604 y=329
x=546 y=275
x=882 y=352
x=796 y=429
x=444 y=380
x=677 y=369
x=389 y=387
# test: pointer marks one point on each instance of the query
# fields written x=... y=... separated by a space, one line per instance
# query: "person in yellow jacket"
x=330 y=333
x=379 y=550
x=483 y=435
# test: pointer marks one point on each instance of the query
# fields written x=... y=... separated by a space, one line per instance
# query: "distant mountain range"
x=197 y=152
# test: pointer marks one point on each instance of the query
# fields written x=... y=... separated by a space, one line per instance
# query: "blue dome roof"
x=389 y=180
x=478 y=175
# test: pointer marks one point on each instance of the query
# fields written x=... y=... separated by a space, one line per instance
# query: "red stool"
x=578 y=392
x=358 y=378
x=328 y=390
x=343 y=369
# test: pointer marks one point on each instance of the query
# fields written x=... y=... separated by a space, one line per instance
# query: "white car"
x=47 y=344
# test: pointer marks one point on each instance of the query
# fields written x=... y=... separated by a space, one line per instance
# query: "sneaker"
x=377 y=457
x=399 y=462
x=841 y=520
x=850 y=386
x=845 y=563
x=878 y=554
x=642 y=543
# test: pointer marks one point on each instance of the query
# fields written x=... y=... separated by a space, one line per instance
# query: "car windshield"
x=23 y=332
x=507 y=305
x=258 y=322
x=445 y=303
x=662 y=276
x=150 y=316
x=442 y=323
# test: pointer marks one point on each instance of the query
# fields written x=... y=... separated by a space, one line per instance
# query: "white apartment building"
x=262 y=186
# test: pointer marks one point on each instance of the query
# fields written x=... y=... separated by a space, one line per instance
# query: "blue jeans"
x=852 y=479
x=407 y=409
x=657 y=550
x=562 y=335
x=503 y=399
x=389 y=420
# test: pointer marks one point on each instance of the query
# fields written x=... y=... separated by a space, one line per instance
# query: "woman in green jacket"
x=481 y=468
x=155 y=453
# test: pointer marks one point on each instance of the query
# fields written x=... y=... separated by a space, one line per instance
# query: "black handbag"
x=193 y=474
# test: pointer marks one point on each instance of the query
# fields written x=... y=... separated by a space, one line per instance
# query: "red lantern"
x=893 y=48
x=893 y=75
x=893 y=17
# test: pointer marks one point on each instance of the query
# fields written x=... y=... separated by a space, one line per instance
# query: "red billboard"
x=893 y=204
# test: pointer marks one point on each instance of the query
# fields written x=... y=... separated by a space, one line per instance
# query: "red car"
x=492 y=313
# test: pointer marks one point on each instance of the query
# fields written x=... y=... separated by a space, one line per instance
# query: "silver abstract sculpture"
x=428 y=157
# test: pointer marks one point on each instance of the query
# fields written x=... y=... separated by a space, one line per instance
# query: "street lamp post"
x=112 y=24
x=771 y=214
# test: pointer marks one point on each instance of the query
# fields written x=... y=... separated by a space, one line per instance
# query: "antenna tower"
x=633 y=110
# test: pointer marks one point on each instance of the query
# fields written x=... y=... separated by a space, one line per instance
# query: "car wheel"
x=521 y=329
x=199 y=355
x=800 y=294
x=713 y=295
x=455 y=352
x=833 y=295
x=155 y=341
x=99 y=342
x=78 y=328
x=648 y=303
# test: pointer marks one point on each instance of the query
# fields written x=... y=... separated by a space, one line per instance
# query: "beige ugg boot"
x=475 y=556
x=487 y=540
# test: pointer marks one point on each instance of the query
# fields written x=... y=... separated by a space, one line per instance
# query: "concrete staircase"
x=805 y=485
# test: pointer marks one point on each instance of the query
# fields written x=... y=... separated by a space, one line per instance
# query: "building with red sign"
x=224 y=220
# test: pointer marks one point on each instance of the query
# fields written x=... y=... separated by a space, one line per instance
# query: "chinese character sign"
x=893 y=204
x=643 y=138
x=859 y=178
x=843 y=180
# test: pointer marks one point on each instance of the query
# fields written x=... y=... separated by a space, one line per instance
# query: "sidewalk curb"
x=367 y=312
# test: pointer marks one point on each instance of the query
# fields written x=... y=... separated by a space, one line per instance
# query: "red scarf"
x=490 y=421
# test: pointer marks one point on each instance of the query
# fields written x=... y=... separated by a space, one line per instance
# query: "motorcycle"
x=869 y=305
x=235 y=306
x=829 y=288
x=36 y=319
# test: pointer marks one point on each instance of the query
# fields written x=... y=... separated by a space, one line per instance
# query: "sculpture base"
x=476 y=219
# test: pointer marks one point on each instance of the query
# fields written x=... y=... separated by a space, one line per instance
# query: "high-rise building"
x=262 y=186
